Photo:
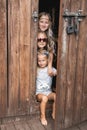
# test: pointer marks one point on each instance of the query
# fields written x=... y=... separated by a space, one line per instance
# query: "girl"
x=44 y=25
x=43 y=85
x=44 y=43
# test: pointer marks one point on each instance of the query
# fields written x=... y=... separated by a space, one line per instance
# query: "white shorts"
x=45 y=93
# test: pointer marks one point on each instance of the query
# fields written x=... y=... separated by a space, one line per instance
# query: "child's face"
x=44 y=23
x=41 y=40
x=42 y=61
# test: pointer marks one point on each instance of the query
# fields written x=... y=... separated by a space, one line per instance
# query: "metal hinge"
x=35 y=16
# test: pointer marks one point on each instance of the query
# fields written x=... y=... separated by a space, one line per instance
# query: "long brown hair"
x=49 y=32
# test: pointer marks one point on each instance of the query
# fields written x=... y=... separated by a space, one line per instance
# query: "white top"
x=43 y=81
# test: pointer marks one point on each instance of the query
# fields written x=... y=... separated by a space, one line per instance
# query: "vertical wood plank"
x=84 y=96
x=63 y=42
x=19 y=19
x=71 y=70
x=84 y=42
x=33 y=57
x=13 y=55
x=21 y=55
x=3 y=59
x=25 y=53
x=71 y=67
x=80 y=68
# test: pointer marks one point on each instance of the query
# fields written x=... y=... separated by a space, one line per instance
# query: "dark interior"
x=52 y=7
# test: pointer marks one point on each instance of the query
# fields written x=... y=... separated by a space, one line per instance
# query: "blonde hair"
x=49 y=46
x=43 y=52
x=49 y=32
x=44 y=33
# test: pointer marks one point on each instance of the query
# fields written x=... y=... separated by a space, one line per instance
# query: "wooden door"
x=17 y=56
x=3 y=59
x=21 y=55
x=71 y=85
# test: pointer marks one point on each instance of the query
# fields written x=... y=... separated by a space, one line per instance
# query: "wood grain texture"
x=71 y=79
x=3 y=58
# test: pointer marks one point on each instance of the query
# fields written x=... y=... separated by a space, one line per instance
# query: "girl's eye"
x=47 y=22
x=41 y=21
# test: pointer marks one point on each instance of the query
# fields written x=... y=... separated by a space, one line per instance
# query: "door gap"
x=52 y=7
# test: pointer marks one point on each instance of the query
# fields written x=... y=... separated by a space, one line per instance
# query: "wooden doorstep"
x=33 y=123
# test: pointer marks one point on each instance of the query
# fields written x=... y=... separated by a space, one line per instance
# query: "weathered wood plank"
x=61 y=87
x=25 y=52
x=71 y=71
x=84 y=98
x=2 y=127
x=37 y=124
x=83 y=126
x=22 y=125
x=10 y=126
x=80 y=68
x=19 y=19
x=72 y=128
x=3 y=59
x=13 y=55
x=21 y=56
x=50 y=125
x=33 y=57
x=31 y=124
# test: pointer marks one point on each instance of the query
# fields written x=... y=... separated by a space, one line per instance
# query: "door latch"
x=70 y=27
x=77 y=14
x=74 y=19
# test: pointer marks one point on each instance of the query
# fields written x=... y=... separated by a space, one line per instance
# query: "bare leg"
x=43 y=103
x=52 y=96
x=53 y=112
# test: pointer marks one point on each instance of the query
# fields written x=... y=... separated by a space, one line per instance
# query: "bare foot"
x=43 y=121
x=53 y=116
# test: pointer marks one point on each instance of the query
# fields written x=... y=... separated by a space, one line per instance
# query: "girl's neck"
x=41 y=67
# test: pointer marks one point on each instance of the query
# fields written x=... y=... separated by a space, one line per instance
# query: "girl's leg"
x=53 y=112
x=43 y=103
x=52 y=96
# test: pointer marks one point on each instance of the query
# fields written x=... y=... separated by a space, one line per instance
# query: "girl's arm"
x=50 y=71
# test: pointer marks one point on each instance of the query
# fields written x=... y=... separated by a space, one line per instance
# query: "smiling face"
x=42 y=60
x=44 y=23
x=41 y=40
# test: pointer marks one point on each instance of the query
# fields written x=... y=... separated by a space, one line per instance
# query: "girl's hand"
x=55 y=73
x=50 y=71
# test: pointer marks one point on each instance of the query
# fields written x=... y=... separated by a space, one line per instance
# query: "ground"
x=35 y=124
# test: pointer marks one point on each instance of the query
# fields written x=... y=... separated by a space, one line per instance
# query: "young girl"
x=44 y=25
x=42 y=41
x=43 y=85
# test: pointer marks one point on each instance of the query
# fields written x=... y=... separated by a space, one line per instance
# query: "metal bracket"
x=35 y=16
x=75 y=18
x=77 y=14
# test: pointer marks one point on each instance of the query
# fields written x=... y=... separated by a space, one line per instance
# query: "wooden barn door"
x=21 y=55
x=71 y=86
x=17 y=56
x=3 y=59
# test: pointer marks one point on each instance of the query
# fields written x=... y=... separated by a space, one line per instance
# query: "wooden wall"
x=72 y=69
x=17 y=56
x=18 y=63
x=3 y=58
